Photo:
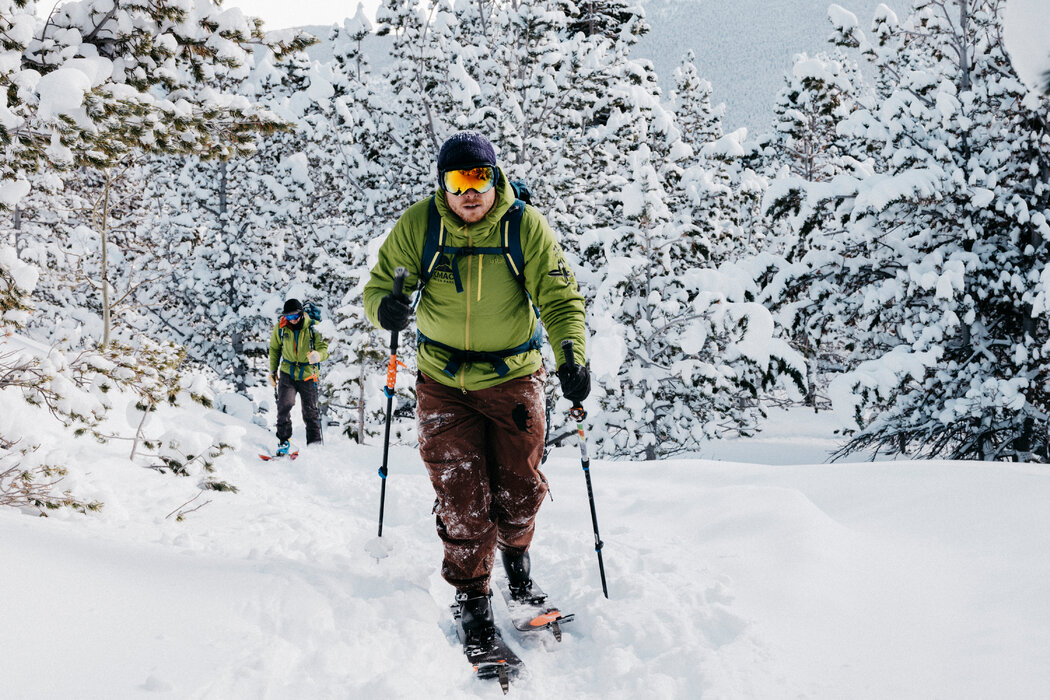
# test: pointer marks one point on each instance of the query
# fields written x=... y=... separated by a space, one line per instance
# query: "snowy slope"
x=727 y=580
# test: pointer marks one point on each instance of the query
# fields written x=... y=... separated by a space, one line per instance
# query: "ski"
x=490 y=659
x=530 y=611
x=290 y=455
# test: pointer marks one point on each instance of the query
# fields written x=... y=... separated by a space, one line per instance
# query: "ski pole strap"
x=496 y=357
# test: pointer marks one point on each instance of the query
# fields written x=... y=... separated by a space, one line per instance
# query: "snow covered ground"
x=782 y=579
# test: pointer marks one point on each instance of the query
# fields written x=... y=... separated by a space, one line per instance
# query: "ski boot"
x=282 y=449
x=475 y=614
x=482 y=643
x=519 y=568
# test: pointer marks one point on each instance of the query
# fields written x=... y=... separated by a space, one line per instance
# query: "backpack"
x=510 y=249
x=312 y=310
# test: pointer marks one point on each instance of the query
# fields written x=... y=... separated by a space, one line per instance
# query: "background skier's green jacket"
x=290 y=354
x=492 y=313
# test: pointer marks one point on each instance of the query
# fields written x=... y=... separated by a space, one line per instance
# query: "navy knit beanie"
x=467 y=149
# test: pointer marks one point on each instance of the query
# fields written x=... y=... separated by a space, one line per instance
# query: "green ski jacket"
x=492 y=312
x=290 y=354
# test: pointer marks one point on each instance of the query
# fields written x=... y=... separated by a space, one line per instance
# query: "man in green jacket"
x=296 y=351
x=479 y=389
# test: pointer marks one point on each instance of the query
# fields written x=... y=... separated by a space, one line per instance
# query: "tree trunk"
x=240 y=365
x=107 y=312
x=361 y=405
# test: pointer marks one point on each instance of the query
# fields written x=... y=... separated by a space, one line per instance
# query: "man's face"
x=471 y=206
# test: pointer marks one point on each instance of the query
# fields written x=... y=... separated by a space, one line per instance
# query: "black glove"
x=394 y=312
x=575 y=382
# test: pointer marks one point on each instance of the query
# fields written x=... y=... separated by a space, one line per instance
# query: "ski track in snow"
x=727 y=580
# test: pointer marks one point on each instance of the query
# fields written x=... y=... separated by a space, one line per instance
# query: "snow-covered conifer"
x=698 y=119
x=940 y=250
x=805 y=148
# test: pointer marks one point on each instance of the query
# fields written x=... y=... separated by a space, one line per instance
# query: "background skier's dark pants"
x=287 y=388
x=483 y=450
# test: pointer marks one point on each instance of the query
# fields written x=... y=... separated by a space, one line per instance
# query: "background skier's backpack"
x=312 y=310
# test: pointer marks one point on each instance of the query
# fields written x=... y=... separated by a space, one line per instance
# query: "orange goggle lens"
x=459 y=181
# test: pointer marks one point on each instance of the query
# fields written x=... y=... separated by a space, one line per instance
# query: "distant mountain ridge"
x=744 y=47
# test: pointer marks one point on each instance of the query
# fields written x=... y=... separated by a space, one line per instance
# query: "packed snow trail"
x=726 y=580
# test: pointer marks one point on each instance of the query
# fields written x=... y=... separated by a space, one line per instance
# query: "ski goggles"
x=480 y=179
x=293 y=317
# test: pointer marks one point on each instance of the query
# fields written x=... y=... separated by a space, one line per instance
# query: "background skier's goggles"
x=459 y=181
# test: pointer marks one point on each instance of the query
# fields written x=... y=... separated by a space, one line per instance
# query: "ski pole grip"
x=399 y=280
x=577 y=411
x=566 y=349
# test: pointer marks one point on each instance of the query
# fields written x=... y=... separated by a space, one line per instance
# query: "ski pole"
x=578 y=414
x=391 y=377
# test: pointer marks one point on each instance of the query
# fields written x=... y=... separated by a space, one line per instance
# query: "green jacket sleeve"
x=552 y=285
x=402 y=248
x=275 y=351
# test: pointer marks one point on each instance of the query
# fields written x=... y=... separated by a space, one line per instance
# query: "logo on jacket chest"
x=467 y=264
x=443 y=269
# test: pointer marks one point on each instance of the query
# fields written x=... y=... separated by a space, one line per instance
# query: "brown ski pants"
x=483 y=450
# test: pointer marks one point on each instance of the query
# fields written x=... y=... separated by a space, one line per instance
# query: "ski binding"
x=490 y=659
x=531 y=613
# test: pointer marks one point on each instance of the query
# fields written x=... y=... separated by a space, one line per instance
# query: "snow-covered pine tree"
x=366 y=134
x=698 y=119
x=684 y=354
x=819 y=92
x=804 y=149
x=942 y=252
x=427 y=87
x=616 y=20
x=17 y=281
x=96 y=81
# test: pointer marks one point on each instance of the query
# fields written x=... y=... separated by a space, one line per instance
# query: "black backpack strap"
x=433 y=244
x=510 y=240
x=496 y=358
